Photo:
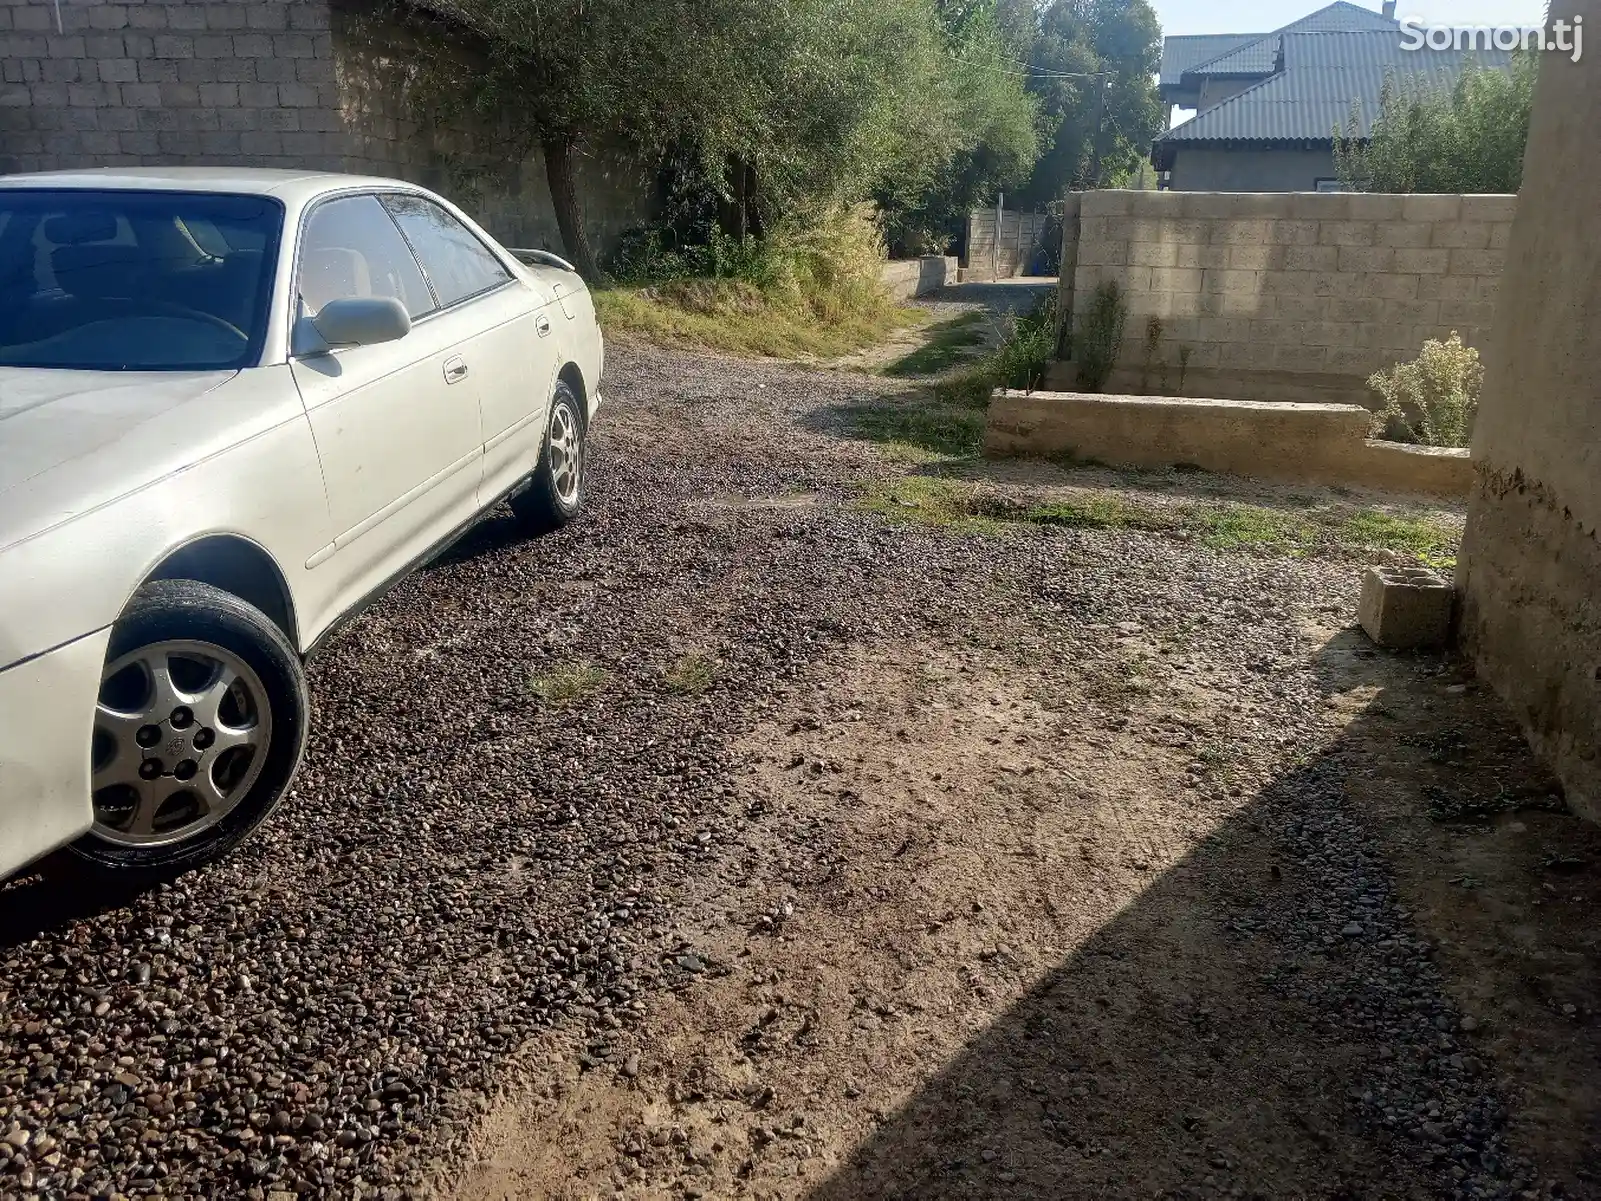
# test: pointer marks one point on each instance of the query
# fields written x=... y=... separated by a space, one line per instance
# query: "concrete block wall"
x=225 y=82
x=1297 y=296
x=1008 y=253
x=295 y=84
x=907 y=279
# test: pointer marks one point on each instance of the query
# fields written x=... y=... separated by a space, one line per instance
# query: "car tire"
x=555 y=494
x=163 y=822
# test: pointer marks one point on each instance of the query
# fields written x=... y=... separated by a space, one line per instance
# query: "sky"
x=1263 y=16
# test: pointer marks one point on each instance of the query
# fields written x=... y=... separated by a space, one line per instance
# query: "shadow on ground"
x=1311 y=1003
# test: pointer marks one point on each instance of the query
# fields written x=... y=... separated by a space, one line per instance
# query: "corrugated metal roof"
x=1181 y=52
x=1323 y=73
x=1260 y=57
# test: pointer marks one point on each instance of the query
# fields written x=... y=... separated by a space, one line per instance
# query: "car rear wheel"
x=199 y=728
x=556 y=493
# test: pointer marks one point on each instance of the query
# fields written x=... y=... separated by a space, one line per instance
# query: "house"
x=1267 y=104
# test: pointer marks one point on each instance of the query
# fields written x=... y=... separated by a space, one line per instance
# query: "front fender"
x=76 y=577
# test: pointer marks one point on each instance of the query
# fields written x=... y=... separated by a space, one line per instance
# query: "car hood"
x=48 y=418
x=70 y=440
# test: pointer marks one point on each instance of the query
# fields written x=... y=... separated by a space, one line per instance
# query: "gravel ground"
x=464 y=865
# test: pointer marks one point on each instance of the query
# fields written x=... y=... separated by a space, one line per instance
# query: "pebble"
x=451 y=879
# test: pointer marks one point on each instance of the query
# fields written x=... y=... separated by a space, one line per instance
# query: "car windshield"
x=135 y=281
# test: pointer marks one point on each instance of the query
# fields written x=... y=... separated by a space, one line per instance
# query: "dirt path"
x=1107 y=889
x=989 y=305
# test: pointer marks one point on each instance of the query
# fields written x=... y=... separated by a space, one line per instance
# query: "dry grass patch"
x=567 y=683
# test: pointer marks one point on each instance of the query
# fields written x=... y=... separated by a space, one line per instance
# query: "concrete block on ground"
x=1406 y=608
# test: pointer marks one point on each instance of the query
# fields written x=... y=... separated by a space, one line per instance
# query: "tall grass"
x=811 y=289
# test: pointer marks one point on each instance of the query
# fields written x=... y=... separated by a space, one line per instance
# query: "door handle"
x=455 y=370
x=542 y=325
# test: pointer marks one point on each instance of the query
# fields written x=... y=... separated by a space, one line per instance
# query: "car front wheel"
x=199 y=728
x=555 y=495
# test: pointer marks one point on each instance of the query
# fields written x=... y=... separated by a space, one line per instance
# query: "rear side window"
x=352 y=249
x=458 y=264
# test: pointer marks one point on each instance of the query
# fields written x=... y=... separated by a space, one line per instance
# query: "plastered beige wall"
x=1530 y=569
x=1300 y=443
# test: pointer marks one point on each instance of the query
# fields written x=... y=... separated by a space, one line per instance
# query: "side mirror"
x=362 y=321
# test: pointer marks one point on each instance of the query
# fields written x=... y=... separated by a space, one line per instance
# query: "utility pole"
x=1095 y=135
x=995 y=247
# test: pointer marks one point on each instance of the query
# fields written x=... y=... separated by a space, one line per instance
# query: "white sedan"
x=236 y=406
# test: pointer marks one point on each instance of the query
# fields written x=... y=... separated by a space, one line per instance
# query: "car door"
x=512 y=358
x=396 y=424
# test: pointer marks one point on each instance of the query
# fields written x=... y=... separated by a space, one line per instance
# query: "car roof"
x=262 y=181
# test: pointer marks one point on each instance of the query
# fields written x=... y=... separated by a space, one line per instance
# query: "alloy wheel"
x=181 y=733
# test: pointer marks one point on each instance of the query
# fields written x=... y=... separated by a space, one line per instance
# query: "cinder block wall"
x=1289 y=296
x=227 y=82
x=1530 y=568
x=297 y=84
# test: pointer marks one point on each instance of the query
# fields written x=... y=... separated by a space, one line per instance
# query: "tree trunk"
x=569 y=215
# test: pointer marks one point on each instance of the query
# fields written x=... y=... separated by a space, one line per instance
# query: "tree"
x=564 y=75
x=987 y=136
x=1093 y=66
x=773 y=108
x=1468 y=138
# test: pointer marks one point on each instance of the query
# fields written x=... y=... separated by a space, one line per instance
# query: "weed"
x=1433 y=399
x=567 y=683
x=1027 y=348
x=1100 y=336
x=692 y=674
x=1153 y=342
x=803 y=292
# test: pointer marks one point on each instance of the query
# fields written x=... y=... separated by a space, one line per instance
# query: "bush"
x=1433 y=399
x=811 y=290
x=1100 y=336
x=1027 y=347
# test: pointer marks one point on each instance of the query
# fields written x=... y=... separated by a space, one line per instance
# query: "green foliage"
x=765 y=112
x=1470 y=138
x=803 y=291
x=976 y=134
x=1096 y=131
x=1433 y=399
x=1028 y=345
x=1100 y=336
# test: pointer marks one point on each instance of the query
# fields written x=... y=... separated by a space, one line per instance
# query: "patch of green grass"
x=949 y=343
x=692 y=674
x=567 y=683
x=1226 y=526
x=921 y=430
x=1425 y=539
x=1237 y=526
x=1101 y=513
x=928 y=501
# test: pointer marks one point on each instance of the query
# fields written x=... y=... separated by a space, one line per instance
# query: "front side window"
x=352 y=249
x=458 y=264
x=119 y=280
